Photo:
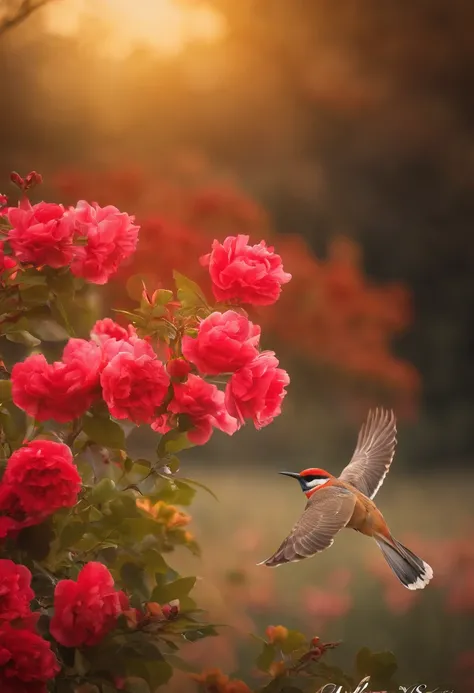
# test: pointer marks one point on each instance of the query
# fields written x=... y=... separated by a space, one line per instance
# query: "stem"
x=75 y=432
x=45 y=572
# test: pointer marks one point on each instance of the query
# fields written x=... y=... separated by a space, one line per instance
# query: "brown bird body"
x=346 y=502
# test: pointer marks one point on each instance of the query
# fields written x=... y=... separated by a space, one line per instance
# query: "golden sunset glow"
x=166 y=26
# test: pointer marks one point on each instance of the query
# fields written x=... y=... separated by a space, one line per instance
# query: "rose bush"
x=88 y=600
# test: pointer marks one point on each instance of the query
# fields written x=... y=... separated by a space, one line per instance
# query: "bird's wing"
x=373 y=454
x=326 y=512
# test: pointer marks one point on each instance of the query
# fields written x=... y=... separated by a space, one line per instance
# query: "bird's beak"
x=295 y=475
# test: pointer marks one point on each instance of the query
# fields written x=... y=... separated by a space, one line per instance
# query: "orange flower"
x=164 y=513
x=276 y=634
x=214 y=681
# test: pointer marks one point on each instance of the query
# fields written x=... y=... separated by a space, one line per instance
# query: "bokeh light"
x=165 y=26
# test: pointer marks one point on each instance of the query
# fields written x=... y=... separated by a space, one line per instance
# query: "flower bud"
x=178 y=369
x=17 y=180
x=33 y=179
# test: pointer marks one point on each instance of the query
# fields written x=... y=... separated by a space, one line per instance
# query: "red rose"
x=256 y=391
x=43 y=477
x=204 y=405
x=62 y=390
x=6 y=263
x=86 y=610
x=109 y=329
x=41 y=235
x=225 y=342
x=26 y=661
x=111 y=237
x=246 y=273
x=178 y=369
x=134 y=384
x=130 y=344
x=15 y=591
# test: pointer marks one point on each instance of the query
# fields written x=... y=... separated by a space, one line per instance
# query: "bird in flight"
x=346 y=501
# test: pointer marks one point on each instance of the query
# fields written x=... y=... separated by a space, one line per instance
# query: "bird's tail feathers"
x=411 y=570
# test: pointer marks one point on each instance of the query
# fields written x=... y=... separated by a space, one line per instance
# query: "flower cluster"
x=93 y=241
x=27 y=662
x=227 y=343
x=124 y=370
x=163 y=369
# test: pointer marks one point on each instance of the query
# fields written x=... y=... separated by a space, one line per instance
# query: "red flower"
x=109 y=329
x=178 y=369
x=42 y=234
x=15 y=591
x=204 y=405
x=43 y=477
x=245 y=273
x=62 y=390
x=257 y=390
x=26 y=661
x=6 y=262
x=86 y=610
x=111 y=237
x=131 y=344
x=225 y=342
x=134 y=384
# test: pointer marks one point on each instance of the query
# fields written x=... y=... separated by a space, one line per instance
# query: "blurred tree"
x=357 y=120
x=13 y=12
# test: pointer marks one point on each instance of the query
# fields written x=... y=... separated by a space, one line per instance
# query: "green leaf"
x=380 y=666
x=35 y=295
x=23 y=337
x=36 y=540
x=363 y=661
x=32 y=278
x=163 y=296
x=105 y=490
x=198 y=484
x=135 y=686
x=163 y=594
x=204 y=631
x=190 y=294
x=154 y=561
x=61 y=283
x=266 y=657
x=180 y=664
x=156 y=673
x=173 y=464
x=133 y=577
x=172 y=442
x=81 y=665
x=183 y=494
x=13 y=429
x=48 y=330
x=71 y=534
x=5 y=391
x=104 y=432
x=294 y=641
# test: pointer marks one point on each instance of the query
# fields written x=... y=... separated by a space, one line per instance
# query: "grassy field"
x=346 y=593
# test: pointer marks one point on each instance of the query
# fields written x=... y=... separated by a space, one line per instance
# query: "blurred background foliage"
x=343 y=134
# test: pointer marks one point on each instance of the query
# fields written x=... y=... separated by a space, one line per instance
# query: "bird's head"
x=310 y=479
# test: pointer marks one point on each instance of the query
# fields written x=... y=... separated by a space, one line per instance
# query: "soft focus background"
x=342 y=133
